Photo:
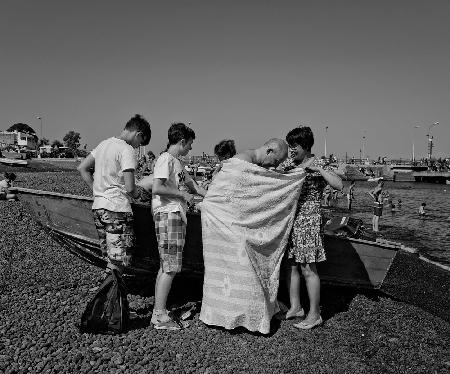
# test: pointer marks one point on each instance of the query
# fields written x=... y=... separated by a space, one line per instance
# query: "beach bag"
x=108 y=311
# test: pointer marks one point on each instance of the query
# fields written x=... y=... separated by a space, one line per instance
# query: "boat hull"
x=69 y=220
x=13 y=162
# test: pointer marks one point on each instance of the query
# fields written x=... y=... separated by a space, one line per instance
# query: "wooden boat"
x=374 y=179
x=68 y=219
x=13 y=162
x=389 y=267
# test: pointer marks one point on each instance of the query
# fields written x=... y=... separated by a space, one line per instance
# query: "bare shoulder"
x=246 y=156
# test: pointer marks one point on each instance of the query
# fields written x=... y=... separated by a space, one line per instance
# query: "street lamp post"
x=430 y=139
x=363 y=143
x=40 y=119
x=413 y=154
x=326 y=129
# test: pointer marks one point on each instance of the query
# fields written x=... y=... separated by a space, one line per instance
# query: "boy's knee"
x=169 y=273
x=115 y=265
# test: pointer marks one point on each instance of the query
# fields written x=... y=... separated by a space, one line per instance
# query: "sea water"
x=429 y=234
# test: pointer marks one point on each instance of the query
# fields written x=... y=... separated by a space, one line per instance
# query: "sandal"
x=298 y=314
x=168 y=324
x=308 y=326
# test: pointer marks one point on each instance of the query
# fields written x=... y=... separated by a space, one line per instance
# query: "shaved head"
x=278 y=145
x=276 y=152
x=270 y=154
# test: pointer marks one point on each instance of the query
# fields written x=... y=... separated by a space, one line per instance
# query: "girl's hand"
x=308 y=164
x=313 y=168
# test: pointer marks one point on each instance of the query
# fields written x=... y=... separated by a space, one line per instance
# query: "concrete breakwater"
x=390 y=173
x=362 y=172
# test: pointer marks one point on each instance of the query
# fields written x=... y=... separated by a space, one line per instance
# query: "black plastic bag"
x=108 y=311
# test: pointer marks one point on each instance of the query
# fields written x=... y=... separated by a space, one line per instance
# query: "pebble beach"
x=44 y=290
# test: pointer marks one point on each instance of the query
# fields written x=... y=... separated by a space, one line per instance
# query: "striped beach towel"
x=247 y=216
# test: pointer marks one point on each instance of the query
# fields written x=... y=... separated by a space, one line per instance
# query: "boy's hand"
x=126 y=260
x=188 y=197
x=135 y=193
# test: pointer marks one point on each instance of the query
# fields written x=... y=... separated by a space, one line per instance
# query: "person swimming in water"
x=422 y=212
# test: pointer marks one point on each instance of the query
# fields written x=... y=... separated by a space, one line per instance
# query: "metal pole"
x=413 y=153
x=40 y=119
x=430 y=139
x=363 y=140
x=326 y=129
x=363 y=143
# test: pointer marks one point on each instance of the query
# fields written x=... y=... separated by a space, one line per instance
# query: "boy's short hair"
x=179 y=131
x=225 y=149
x=139 y=123
x=302 y=136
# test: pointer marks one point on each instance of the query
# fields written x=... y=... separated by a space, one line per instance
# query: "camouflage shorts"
x=116 y=233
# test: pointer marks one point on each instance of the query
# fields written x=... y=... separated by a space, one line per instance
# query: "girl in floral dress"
x=306 y=242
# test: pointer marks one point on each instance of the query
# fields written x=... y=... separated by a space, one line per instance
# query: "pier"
x=432 y=176
x=394 y=172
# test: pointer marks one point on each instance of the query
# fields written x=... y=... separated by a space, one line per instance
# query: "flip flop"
x=308 y=326
x=299 y=314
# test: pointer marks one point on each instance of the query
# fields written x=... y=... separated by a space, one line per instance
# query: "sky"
x=250 y=70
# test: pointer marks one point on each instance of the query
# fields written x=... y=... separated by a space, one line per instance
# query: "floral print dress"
x=306 y=238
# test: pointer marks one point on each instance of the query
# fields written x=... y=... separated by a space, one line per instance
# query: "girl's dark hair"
x=139 y=123
x=10 y=176
x=179 y=131
x=225 y=149
x=302 y=136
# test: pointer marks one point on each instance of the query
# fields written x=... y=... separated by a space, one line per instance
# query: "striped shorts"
x=171 y=235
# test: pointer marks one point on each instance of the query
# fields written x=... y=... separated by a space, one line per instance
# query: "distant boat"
x=13 y=162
